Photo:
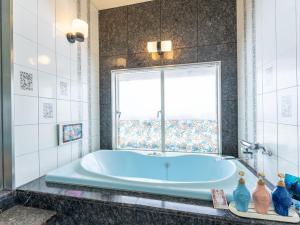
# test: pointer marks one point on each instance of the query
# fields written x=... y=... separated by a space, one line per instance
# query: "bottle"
x=281 y=198
x=241 y=195
x=260 y=196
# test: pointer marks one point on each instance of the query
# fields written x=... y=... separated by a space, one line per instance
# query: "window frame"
x=162 y=69
x=7 y=151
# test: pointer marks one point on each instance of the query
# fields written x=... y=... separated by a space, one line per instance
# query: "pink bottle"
x=260 y=196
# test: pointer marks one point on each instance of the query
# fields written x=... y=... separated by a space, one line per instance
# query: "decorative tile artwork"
x=26 y=82
x=269 y=75
x=71 y=132
x=44 y=75
x=47 y=111
x=63 y=87
x=286 y=106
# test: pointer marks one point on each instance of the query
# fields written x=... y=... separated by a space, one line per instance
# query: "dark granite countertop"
x=39 y=189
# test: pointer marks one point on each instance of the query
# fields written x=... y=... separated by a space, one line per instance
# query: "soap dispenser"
x=241 y=195
x=261 y=196
x=281 y=198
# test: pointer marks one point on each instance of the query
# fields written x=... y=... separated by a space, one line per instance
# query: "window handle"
x=158 y=114
x=118 y=114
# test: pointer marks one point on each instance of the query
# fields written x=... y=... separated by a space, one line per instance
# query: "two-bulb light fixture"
x=80 y=31
x=159 y=47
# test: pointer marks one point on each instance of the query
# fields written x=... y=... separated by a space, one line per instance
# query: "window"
x=173 y=108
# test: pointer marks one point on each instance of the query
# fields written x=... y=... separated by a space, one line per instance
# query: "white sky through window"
x=189 y=94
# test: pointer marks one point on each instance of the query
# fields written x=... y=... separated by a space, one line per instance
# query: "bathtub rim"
x=68 y=175
x=161 y=182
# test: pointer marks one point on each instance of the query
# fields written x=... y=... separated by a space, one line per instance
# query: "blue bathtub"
x=175 y=174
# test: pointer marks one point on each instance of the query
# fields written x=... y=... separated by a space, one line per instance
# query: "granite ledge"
x=6 y=200
x=20 y=215
x=40 y=194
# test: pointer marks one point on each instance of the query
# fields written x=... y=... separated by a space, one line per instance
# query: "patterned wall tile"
x=269 y=77
x=63 y=88
x=287 y=106
x=26 y=81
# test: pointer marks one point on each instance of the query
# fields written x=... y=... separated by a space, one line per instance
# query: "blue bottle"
x=282 y=200
x=241 y=195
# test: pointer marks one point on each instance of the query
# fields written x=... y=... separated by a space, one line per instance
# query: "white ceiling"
x=107 y=4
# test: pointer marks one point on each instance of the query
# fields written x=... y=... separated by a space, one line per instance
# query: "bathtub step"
x=20 y=215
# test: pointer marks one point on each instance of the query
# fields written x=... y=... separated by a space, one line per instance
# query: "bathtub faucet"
x=230 y=158
x=154 y=154
x=253 y=148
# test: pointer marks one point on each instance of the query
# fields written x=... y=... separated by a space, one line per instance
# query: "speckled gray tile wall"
x=179 y=22
x=140 y=31
x=216 y=22
x=201 y=31
x=113 y=31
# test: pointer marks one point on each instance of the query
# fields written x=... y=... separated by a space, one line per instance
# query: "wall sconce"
x=159 y=47
x=80 y=31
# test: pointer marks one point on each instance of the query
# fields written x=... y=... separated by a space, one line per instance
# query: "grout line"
x=29 y=153
x=278 y=90
x=56 y=66
x=287 y=160
x=297 y=79
x=24 y=125
x=79 y=67
x=198 y=3
x=276 y=60
x=245 y=67
x=254 y=77
x=37 y=24
x=89 y=53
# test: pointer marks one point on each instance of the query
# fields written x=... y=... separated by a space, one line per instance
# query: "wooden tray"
x=293 y=216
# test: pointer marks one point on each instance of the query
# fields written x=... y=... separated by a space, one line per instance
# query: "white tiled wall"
x=277 y=64
x=53 y=84
x=246 y=84
x=93 y=95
